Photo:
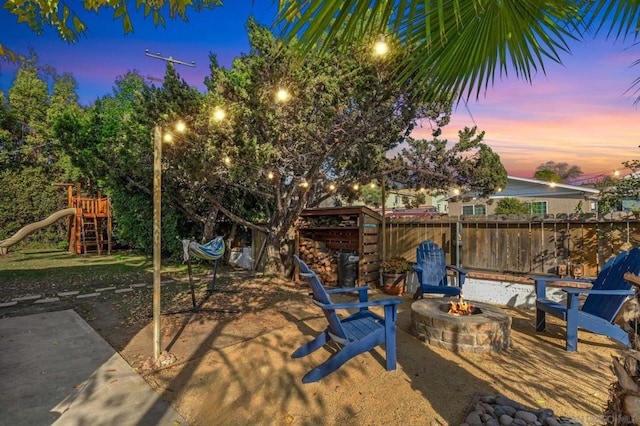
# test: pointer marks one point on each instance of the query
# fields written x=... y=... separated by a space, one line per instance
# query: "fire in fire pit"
x=461 y=308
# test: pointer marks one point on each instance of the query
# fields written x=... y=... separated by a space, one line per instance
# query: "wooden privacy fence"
x=517 y=244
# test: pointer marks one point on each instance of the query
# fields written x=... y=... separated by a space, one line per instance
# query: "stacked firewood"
x=328 y=221
x=321 y=259
x=623 y=407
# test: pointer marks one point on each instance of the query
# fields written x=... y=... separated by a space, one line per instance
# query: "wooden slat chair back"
x=431 y=258
x=319 y=294
x=604 y=300
x=611 y=278
x=431 y=269
x=359 y=332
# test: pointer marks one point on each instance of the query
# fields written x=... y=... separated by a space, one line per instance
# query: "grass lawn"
x=52 y=272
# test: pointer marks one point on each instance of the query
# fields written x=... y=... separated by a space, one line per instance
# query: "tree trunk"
x=229 y=242
x=209 y=225
x=273 y=264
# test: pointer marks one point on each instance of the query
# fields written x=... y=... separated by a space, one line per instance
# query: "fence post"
x=458 y=242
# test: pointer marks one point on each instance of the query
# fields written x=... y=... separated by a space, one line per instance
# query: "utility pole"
x=170 y=59
x=157 y=218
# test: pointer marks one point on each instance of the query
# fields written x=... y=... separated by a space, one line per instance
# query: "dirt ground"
x=236 y=368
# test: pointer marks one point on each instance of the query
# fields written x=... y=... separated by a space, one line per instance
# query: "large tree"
x=345 y=112
x=562 y=171
x=614 y=191
x=112 y=143
x=31 y=159
x=438 y=165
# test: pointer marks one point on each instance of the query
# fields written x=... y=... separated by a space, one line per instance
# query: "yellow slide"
x=18 y=236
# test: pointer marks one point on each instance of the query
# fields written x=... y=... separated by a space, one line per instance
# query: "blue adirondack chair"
x=431 y=268
x=603 y=302
x=358 y=333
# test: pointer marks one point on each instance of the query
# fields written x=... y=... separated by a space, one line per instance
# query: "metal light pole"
x=157 y=247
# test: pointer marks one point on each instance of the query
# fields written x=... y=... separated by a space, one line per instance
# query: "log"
x=626 y=382
x=632 y=407
x=632 y=278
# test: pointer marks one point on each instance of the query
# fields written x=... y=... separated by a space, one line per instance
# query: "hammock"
x=213 y=250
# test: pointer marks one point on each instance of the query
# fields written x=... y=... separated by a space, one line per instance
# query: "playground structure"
x=90 y=223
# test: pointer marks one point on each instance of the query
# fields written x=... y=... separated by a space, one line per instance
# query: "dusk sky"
x=577 y=113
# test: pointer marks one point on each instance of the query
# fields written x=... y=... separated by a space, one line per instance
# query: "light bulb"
x=282 y=95
x=219 y=114
x=381 y=48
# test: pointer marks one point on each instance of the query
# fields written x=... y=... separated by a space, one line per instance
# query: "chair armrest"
x=541 y=283
x=462 y=273
x=352 y=305
x=563 y=280
x=603 y=292
x=417 y=268
x=573 y=300
x=348 y=289
x=363 y=292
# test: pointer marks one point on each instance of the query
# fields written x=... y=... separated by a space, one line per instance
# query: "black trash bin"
x=347 y=268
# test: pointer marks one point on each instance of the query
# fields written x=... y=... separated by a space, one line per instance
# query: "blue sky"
x=106 y=53
x=577 y=113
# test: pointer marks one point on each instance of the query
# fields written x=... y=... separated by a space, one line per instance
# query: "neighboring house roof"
x=523 y=187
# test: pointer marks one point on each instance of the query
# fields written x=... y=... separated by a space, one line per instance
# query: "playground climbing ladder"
x=91 y=227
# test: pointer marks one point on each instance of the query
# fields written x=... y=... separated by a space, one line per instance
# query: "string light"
x=181 y=127
x=282 y=95
x=331 y=187
x=381 y=48
x=219 y=114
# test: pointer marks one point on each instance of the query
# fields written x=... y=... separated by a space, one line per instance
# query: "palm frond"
x=456 y=46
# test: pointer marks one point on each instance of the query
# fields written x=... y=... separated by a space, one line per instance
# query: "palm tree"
x=462 y=46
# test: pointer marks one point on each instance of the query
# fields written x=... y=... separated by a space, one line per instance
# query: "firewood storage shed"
x=326 y=235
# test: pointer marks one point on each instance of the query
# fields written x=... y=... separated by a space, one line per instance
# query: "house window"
x=474 y=210
x=538 y=207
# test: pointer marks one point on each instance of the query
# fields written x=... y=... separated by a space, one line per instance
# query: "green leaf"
x=120 y=11
x=126 y=24
x=78 y=25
